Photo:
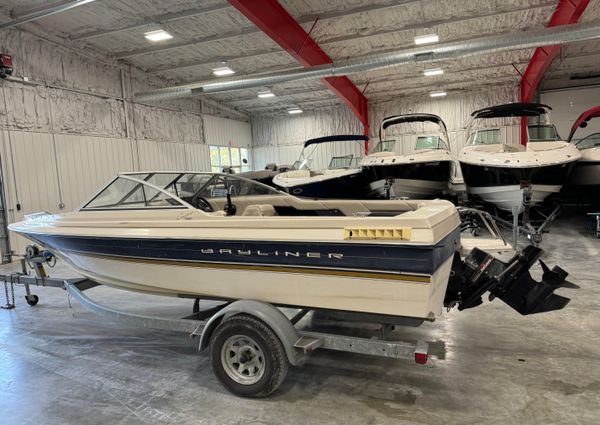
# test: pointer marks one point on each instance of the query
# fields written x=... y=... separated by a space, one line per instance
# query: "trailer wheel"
x=248 y=357
x=32 y=300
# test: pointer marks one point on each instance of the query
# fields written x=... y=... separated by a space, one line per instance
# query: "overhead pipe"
x=426 y=54
x=52 y=10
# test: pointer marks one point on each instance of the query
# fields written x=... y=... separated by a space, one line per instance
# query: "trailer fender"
x=266 y=312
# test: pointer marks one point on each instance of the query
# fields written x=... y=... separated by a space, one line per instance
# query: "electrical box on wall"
x=6 y=65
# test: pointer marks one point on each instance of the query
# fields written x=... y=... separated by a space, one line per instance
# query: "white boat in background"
x=498 y=172
x=343 y=178
x=585 y=178
x=204 y=235
x=424 y=173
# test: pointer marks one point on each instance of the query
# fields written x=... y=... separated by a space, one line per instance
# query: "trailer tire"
x=248 y=357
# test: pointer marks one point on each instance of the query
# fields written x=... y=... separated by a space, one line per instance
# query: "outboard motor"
x=511 y=282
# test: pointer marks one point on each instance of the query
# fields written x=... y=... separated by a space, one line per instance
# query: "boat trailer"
x=252 y=320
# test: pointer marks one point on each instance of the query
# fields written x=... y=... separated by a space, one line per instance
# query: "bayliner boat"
x=343 y=178
x=585 y=178
x=424 y=173
x=499 y=172
x=220 y=236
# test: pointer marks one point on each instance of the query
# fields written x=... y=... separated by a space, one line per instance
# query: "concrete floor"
x=61 y=365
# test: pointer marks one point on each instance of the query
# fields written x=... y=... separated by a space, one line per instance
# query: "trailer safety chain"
x=9 y=305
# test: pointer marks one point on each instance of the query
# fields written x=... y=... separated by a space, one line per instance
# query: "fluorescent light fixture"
x=223 y=71
x=426 y=39
x=295 y=111
x=433 y=72
x=438 y=94
x=265 y=94
x=158 y=35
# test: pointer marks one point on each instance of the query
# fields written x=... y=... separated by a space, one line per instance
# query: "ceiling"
x=210 y=31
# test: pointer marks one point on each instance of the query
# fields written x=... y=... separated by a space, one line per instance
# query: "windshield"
x=338 y=162
x=485 y=137
x=384 y=146
x=542 y=133
x=430 y=142
x=591 y=141
x=124 y=193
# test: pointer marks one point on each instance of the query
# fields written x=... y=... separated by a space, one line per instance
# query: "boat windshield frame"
x=589 y=136
x=181 y=204
x=306 y=160
x=415 y=118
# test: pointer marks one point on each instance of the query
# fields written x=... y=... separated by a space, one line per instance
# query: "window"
x=385 y=146
x=430 y=142
x=485 y=137
x=590 y=141
x=542 y=133
x=127 y=194
x=338 y=162
x=226 y=156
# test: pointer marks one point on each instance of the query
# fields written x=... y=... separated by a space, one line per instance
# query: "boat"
x=343 y=178
x=220 y=236
x=424 y=173
x=585 y=178
x=499 y=172
x=262 y=176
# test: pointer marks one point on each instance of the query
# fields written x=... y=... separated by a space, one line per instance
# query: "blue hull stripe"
x=341 y=256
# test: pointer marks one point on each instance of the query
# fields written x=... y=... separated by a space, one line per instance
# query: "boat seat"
x=259 y=210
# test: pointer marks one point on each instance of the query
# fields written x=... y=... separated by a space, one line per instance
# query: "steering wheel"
x=202 y=204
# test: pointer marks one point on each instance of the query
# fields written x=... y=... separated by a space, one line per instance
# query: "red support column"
x=567 y=12
x=277 y=23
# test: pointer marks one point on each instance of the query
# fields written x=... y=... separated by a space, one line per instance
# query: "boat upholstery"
x=262 y=210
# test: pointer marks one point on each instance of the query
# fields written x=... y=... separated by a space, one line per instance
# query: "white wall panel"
x=225 y=132
x=162 y=156
x=198 y=157
x=567 y=105
x=86 y=163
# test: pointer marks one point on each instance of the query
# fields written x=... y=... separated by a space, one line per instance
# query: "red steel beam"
x=567 y=12
x=270 y=17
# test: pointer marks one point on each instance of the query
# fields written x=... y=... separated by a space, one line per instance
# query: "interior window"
x=485 y=137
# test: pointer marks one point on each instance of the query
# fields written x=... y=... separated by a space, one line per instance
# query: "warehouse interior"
x=94 y=88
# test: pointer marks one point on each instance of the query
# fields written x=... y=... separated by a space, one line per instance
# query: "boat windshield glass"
x=124 y=193
x=385 y=146
x=302 y=165
x=430 y=142
x=591 y=141
x=542 y=133
x=338 y=162
x=489 y=136
x=127 y=194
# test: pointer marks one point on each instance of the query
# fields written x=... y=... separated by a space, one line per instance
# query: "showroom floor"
x=62 y=365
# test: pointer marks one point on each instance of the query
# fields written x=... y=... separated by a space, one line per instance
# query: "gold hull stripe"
x=265 y=268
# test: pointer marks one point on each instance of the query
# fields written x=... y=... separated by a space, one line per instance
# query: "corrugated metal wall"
x=279 y=139
x=225 y=132
x=41 y=172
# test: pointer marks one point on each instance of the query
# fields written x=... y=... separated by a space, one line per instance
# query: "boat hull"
x=503 y=186
x=351 y=186
x=400 y=280
x=415 y=180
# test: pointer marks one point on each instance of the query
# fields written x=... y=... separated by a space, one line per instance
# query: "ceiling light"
x=223 y=71
x=426 y=39
x=437 y=94
x=265 y=94
x=158 y=35
x=432 y=72
x=295 y=111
